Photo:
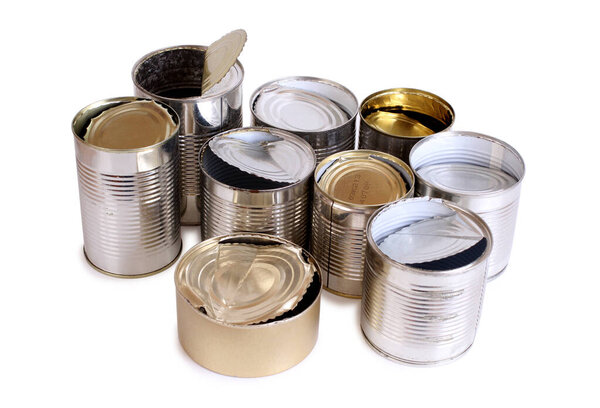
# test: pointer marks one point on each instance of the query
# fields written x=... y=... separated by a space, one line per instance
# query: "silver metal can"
x=424 y=281
x=350 y=186
x=320 y=111
x=394 y=120
x=257 y=180
x=174 y=76
x=129 y=199
x=479 y=173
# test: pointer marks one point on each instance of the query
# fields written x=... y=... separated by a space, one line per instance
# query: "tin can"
x=129 y=199
x=245 y=350
x=479 y=173
x=257 y=180
x=320 y=111
x=424 y=280
x=394 y=120
x=348 y=188
x=174 y=76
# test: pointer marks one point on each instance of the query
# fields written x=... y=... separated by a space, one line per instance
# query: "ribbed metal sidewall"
x=343 y=145
x=370 y=139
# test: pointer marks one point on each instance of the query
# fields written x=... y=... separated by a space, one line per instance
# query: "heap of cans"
x=288 y=206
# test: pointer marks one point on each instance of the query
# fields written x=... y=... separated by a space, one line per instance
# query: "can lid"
x=361 y=178
x=221 y=56
x=131 y=125
x=243 y=283
x=266 y=153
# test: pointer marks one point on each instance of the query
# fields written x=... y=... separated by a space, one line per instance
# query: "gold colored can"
x=394 y=120
x=244 y=305
x=350 y=186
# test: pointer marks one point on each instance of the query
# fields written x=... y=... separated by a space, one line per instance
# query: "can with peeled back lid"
x=425 y=276
x=479 y=173
x=350 y=186
x=320 y=111
x=174 y=76
x=257 y=180
x=128 y=171
x=394 y=120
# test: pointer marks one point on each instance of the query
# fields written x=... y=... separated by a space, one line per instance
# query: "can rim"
x=115 y=102
x=459 y=133
x=366 y=152
x=457 y=271
x=147 y=56
x=274 y=131
x=306 y=79
x=408 y=91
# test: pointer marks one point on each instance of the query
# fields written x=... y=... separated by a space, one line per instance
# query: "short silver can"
x=479 y=173
x=174 y=76
x=129 y=199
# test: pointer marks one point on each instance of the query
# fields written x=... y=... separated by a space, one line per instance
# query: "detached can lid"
x=221 y=56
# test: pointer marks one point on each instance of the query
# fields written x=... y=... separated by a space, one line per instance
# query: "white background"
x=524 y=72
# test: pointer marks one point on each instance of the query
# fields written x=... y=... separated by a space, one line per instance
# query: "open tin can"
x=236 y=313
x=479 y=173
x=320 y=111
x=350 y=186
x=128 y=185
x=174 y=76
x=394 y=120
x=424 y=280
x=257 y=180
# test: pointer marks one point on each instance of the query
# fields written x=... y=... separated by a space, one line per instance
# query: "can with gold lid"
x=394 y=120
x=349 y=186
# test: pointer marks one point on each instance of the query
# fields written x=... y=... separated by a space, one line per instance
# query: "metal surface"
x=426 y=314
x=479 y=173
x=220 y=57
x=248 y=350
x=129 y=200
x=247 y=199
x=394 y=120
x=338 y=239
x=320 y=111
x=174 y=76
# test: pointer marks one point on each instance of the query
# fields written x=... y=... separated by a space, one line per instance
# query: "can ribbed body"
x=129 y=202
x=417 y=316
x=173 y=76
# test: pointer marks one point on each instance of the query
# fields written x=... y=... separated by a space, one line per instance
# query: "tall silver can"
x=479 y=173
x=320 y=111
x=257 y=180
x=174 y=76
x=129 y=199
x=424 y=280
x=348 y=188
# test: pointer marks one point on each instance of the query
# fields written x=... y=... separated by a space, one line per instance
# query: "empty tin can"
x=129 y=193
x=257 y=180
x=174 y=76
x=350 y=186
x=394 y=120
x=248 y=273
x=479 y=173
x=424 y=280
x=320 y=111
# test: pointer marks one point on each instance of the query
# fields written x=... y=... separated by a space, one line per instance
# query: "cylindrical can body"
x=394 y=120
x=281 y=211
x=338 y=236
x=174 y=76
x=479 y=173
x=307 y=107
x=419 y=316
x=129 y=200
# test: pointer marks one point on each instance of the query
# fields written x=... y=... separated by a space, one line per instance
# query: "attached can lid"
x=242 y=283
x=131 y=125
x=221 y=56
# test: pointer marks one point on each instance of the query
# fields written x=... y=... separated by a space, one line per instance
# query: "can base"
x=142 y=275
x=346 y=295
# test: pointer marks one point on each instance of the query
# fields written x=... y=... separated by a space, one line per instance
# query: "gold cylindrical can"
x=350 y=186
x=246 y=350
x=394 y=120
